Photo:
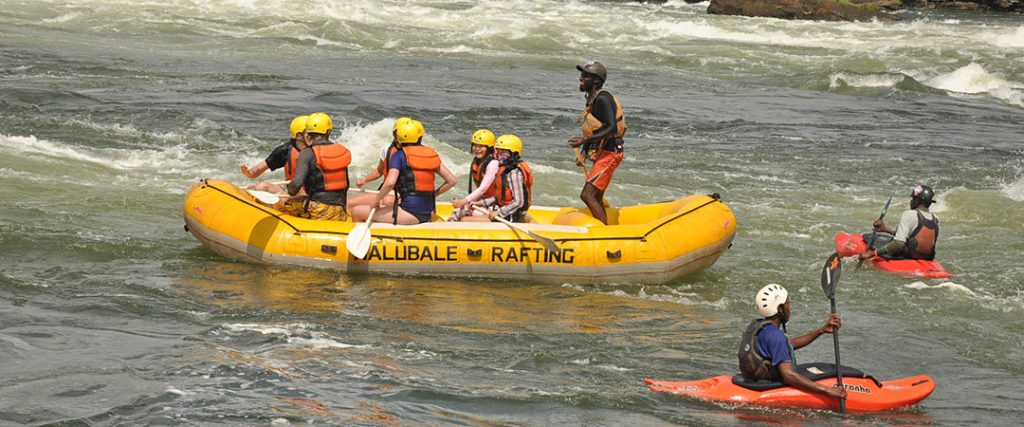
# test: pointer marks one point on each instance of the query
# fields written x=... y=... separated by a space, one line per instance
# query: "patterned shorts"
x=317 y=210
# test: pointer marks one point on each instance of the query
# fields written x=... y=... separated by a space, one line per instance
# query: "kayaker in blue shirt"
x=767 y=354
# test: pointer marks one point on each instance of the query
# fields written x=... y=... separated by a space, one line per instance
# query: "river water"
x=111 y=314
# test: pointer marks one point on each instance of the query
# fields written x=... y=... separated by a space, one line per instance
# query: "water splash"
x=974 y=79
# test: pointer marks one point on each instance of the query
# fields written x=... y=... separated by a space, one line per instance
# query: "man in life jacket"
x=386 y=151
x=482 y=172
x=766 y=354
x=284 y=155
x=514 y=183
x=411 y=173
x=322 y=172
x=916 y=235
x=603 y=127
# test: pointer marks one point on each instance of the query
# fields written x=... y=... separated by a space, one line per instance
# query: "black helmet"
x=923 y=194
x=594 y=68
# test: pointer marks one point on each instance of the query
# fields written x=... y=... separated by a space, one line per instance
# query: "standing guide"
x=603 y=127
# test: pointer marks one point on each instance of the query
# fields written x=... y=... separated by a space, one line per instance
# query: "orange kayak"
x=853 y=244
x=864 y=394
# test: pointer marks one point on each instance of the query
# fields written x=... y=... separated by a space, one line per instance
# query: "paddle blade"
x=358 y=241
x=265 y=197
x=830 y=274
x=549 y=244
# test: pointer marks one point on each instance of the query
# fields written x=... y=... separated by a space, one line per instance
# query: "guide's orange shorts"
x=604 y=166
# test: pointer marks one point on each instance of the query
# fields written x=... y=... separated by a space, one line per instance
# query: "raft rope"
x=276 y=214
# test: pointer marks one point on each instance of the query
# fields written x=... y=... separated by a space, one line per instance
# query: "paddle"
x=278 y=183
x=548 y=243
x=829 y=281
x=874 y=233
x=583 y=164
x=358 y=241
x=266 y=197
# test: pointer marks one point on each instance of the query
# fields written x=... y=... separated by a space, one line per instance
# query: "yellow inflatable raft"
x=651 y=243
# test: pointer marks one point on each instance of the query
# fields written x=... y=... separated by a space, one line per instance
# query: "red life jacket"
x=333 y=161
x=293 y=158
x=505 y=195
x=418 y=178
x=921 y=241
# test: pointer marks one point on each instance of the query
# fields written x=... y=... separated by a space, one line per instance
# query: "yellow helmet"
x=401 y=121
x=409 y=132
x=298 y=125
x=319 y=123
x=511 y=143
x=483 y=137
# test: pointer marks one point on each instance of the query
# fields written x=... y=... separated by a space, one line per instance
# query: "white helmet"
x=769 y=298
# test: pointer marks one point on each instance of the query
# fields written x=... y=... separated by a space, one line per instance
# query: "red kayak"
x=864 y=393
x=853 y=244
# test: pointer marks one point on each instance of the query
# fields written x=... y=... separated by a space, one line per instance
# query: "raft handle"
x=615 y=255
x=474 y=253
x=331 y=249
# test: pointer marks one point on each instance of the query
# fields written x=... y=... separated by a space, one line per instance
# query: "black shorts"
x=422 y=217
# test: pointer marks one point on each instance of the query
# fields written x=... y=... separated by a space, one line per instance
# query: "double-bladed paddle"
x=874 y=233
x=829 y=281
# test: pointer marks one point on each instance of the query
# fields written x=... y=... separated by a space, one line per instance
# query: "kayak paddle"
x=548 y=243
x=358 y=240
x=874 y=233
x=829 y=281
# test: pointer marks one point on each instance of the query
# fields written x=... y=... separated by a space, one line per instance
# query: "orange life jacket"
x=333 y=161
x=592 y=124
x=921 y=241
x=293 y=158
x=505 y=195
x=477 y=170
x=418 y=178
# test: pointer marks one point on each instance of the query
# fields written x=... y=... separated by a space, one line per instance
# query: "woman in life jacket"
x=283 y=156
x=482 y=173
x=916 y=235
x=514 y=183
x=766 y=354
x=368 y=197
x=322 y=172
x=411 y=172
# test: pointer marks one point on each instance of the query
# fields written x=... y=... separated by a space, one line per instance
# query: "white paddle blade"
x=358 y=242
x=548 y=244
x=265 y=197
